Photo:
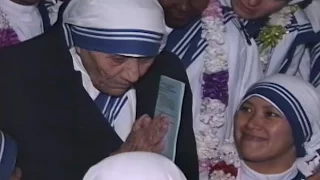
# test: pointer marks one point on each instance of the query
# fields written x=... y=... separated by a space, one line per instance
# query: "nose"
x=254 y=121
x=183 y=5
x=254 y=3
x=132 y=71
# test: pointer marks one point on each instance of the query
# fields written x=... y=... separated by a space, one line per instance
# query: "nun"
x=135 y=166
x=59 y=99
x=276 y=131
x=234 y=44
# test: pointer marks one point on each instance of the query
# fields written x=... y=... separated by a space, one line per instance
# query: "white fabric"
x=245 y=173
x=123 y=123
x=307 y=96
x=116 y=14
x=312 y=12
x=135 y=166
x=26 y=21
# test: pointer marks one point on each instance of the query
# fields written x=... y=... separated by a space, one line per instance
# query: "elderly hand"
x=147 y=135
x=314 y=177
x=16 y=175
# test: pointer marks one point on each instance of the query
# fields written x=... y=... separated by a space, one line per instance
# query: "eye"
x=145 y=60
x=118 y=59
x=270 y=114
x=245 y=109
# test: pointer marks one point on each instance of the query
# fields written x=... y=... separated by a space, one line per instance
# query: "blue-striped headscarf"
x=125 y=27
x=298 y=101
x=8 y=154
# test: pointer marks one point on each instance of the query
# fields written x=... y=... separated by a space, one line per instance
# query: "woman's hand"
x=146 y=135
x=17 y=174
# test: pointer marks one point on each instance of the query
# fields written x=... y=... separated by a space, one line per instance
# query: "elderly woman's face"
x=180 y=12
x=261 y=132
x=113 y=74
x=255 y=9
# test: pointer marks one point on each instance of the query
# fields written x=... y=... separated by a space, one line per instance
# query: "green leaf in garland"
x=271 y=35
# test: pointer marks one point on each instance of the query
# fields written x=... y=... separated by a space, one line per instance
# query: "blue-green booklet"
x=169 y=103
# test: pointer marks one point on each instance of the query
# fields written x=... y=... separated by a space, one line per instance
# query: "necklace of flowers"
x=274 y=31
x=214 y=86
x=7 y=35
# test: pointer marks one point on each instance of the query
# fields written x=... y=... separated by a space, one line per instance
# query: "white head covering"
x=299 y=102
x=135 y=166
x=127 y=27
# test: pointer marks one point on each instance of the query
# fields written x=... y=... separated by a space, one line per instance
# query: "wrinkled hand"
x=17 y=174
x=316 y=175
x=147 y=135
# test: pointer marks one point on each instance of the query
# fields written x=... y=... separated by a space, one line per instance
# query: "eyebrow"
x=264 y=106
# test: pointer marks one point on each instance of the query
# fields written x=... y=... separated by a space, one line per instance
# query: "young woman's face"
x=255 y=9
x=261 y=132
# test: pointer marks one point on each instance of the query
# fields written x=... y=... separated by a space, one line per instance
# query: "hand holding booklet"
x=169 y=103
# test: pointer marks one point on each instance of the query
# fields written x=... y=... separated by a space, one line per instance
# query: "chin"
x=116 y=93
x=173 y=22
x=253 y=155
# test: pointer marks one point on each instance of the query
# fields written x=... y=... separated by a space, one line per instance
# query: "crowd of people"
x=81 y=79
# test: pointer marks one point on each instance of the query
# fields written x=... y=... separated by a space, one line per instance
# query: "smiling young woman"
x=276 y=128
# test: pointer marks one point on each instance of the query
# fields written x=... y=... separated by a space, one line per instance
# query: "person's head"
x=117 y=40
x=180 y=12
x=135 y=166
x=256 y=9
x=8 y=155
x=277 y=121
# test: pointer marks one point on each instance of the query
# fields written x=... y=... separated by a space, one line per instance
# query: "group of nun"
x=52 y=129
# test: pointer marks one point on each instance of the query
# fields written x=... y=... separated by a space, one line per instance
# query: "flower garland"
x=214 y=85
x=274 y=31
x=7 y=35
x=223 y=171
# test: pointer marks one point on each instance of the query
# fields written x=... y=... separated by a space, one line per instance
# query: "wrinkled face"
x=261 y=132
x=180 y=12
x=113 y=74
x=255 y=9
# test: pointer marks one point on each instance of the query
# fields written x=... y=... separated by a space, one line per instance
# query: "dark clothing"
x=58 y=128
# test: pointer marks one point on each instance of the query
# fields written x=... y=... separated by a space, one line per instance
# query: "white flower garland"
x=212 y=113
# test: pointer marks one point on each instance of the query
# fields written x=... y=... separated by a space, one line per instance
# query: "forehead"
x=259 y=101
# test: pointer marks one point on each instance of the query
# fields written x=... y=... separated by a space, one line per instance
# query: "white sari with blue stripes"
x=244 y=65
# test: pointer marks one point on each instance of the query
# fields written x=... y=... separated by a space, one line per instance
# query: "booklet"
x=169 y=103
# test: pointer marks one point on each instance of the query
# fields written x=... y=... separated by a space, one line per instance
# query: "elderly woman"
x=276 y=132
x=135 y=166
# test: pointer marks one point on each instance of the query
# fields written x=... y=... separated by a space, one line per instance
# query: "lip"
x=178 y=15
x=250 y=137
x=245 y=8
